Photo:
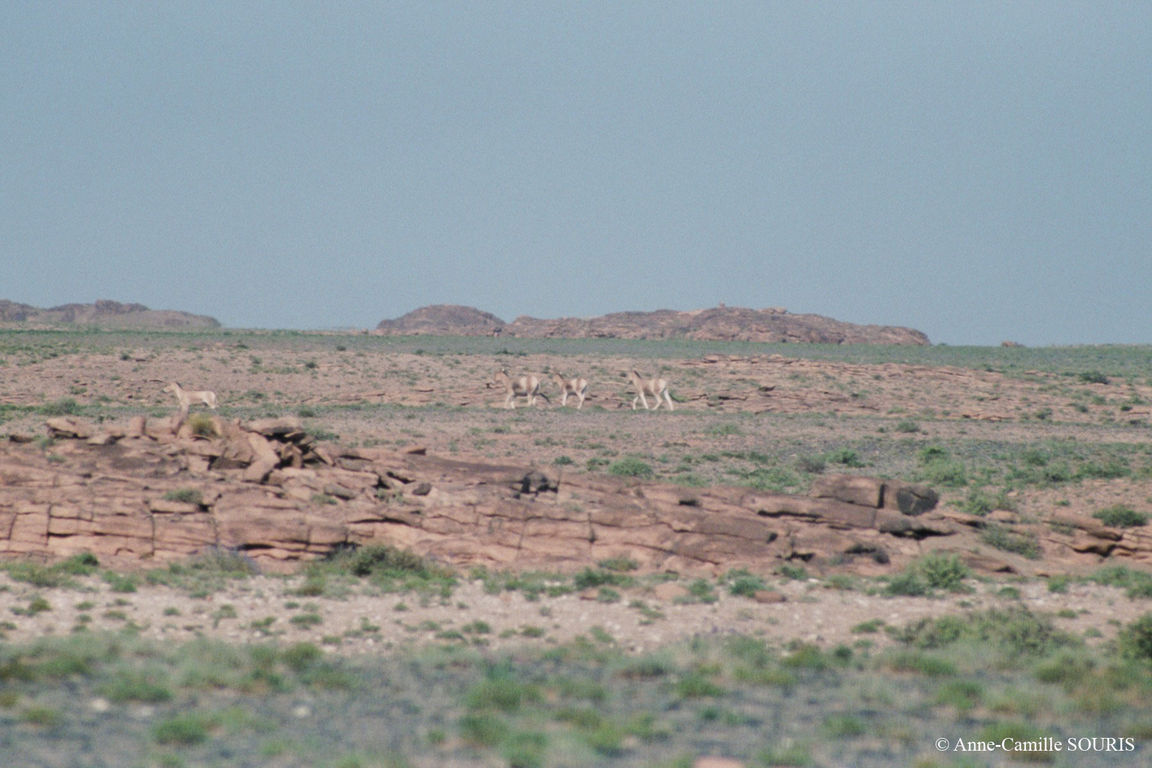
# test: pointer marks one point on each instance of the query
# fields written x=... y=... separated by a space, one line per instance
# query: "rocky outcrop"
x=102 y=313
x=144 y=494
x=718 y=324
x=443 y=320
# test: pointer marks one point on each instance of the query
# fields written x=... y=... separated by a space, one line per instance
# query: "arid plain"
x=1023 y=438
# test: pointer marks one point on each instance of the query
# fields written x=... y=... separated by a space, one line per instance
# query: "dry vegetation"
x=207 y=663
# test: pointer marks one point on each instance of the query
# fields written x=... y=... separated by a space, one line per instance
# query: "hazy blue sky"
x=981 y=171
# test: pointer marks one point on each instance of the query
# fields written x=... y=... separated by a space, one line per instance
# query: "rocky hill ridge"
x=773 y=325
x=103 y=313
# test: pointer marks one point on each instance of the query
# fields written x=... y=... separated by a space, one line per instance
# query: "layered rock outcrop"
x=142 y=495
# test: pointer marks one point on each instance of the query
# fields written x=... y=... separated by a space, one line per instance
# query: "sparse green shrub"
x=591 y=578
x=944 y=571
x=483 y=729
x=845 y=457
x=120 y=582
x=1003 y=538
x=907 y=583
x=1012 y=632
x=1136 y=583
x=186 y=496
x=499 y=690
x=697 y=684
x=525 y=749
x=812 y=465
x=631 y=466
x=48 y=576
x=1094 y=377
x=794 y=572
x=38 y=604
x=619 y=564
x=185 y=729
x=64 y=407
x=1121 y=516
x=702 y=590
x=743 y=583
x=777 y=479
x=388 y=567
x=843 y=726
x=1136 y=638
x=980 y=502
x=82 y=564
x=150 y=686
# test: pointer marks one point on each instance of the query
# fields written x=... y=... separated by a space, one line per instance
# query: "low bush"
x=1120 y=516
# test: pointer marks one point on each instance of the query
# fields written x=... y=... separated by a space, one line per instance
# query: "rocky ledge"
x=151 y=492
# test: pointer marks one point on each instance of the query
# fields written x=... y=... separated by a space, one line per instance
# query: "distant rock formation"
x=443 y=320
x=717 y=324
x=103 y=313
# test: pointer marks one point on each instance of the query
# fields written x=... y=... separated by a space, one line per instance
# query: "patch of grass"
x=1004 y=538
x=388 y=568
x=120 y=582
x=186 y=496
x=743 y=583
x=49 y=576
x=500 y=691
x=1008 y=633
x=944 y=571
x=206 y=572
x=908 y=583
x=591 y=578
x=150 y=685
x=702 y=591
x=1121 y=516
x=64 y=407
x=1094 y=377
x=845 y=457
x=1136 y=638
x=186 y=729
x=1136 y=583
x=631 y=466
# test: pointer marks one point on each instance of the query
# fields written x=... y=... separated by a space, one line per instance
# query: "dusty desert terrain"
x=1014 y=435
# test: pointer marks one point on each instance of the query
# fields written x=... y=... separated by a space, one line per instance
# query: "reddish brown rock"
x=265 y=491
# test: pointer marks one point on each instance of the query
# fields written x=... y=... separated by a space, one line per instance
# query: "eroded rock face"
x=147 y=494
